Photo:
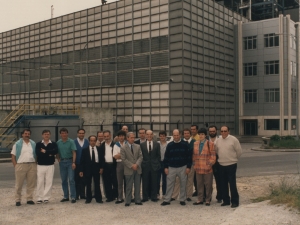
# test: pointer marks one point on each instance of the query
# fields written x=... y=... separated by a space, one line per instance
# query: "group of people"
x=176 y=167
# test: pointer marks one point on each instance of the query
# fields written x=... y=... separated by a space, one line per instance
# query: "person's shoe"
x=172 y=199
x=207 y=203
x=189 y=199
x=39 y=202
x=18 y=203
x=30 y=202
x=73 y=200
x=165 y=203
x=198 y=203
x=87 y=201
x=99 y=201
x=233 y=205
x=182 y=203
x=46 y=201
x=219 y=201
x=64 y=200
x=109 y=200
x=139 y=203
x=154 y=200
x=145 y=200
x=195 y=194
x=119 y=201
x=225 y=204
x=126 y=204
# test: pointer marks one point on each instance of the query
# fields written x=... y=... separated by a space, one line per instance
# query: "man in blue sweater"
x=177 y=162
x=81 y=143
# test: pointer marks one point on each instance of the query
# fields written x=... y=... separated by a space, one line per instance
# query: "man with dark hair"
x=120 y=166
x=142 y=136
x=91 y=166
x=161 y=173
x=67 y=163
x=23 y=158
x=100 y=138
x=109 y=168
x=229 y=151
x=45 y=152
x=80 y=143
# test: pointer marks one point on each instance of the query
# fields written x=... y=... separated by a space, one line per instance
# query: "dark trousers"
x=228 y=176
x=163 y=176
x=79 y=183
x=95 y=175
x=195 y=184
x=149 y=180
x=110 y=181
x=216 y=171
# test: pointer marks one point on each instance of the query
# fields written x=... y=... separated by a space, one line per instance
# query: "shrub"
x=288 y=137
x=275 y=137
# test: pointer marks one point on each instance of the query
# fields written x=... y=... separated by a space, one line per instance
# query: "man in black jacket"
x=45 y=152
x=91 y=166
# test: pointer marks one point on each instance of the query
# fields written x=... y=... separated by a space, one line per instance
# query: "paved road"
x=252 y=163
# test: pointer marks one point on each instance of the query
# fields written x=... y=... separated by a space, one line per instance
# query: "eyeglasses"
x=224 y=131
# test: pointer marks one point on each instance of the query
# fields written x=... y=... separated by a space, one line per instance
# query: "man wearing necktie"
x=132 y=158
x=91 y=166
x=150 y=167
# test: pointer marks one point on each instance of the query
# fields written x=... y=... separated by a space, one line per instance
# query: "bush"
x=289 y=144
x=288 y=137
x=275 y=137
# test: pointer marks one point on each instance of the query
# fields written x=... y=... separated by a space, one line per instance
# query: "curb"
x=275 y=150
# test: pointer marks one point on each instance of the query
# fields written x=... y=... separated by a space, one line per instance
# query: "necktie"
x=131 y=149
x=150 y=147
x=93 y=155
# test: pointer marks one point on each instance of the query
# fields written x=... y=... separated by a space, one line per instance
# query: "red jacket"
x=203 y=162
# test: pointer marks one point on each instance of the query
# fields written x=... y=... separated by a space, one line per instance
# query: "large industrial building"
x=168 y=63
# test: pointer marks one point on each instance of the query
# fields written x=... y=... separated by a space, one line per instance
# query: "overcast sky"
x=19 y=13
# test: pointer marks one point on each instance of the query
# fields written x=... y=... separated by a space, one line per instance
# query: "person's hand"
x=187 y=171
x=43 y=150
x=166 y=171
x=101 y=171
x=81 y=174
x=73 y=166
x=134 y=167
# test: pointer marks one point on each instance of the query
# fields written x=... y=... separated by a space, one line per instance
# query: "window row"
x=274 y=124
x=270 y=95
x=270 y=68
x=270 y=40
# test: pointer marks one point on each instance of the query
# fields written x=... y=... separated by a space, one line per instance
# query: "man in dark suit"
x=91 y=166
x=150 y=167
x=109 y=168
x=132 y=158
x=142 y=136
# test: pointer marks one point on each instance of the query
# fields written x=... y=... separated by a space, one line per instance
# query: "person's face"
x=224 y=132
x=121 y=138
x=125 y=129
x=212 y=132
x=46 y=136
x=80 y=134
x=202 y=136
x=130 y=139
x=186 y=135
x=149 y=135
x=64 y=135
x=162 y=138
x=176 y=135
x=100 y=137
x=106 y=136
x=142 y=134
x=194 y=130
x=93 y=141
x=26 y=135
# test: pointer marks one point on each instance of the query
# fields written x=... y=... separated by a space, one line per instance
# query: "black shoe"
x=119 y=201
x=126 y=204
x=182 y=203
x=30 y=202
x=165 y=203
x=132 y=200
x=225 y=204
x=139 y=203
x=195 y=194
x=18 y=203
x=109 y=200
x=99 y=201
x=145 y=200
x=172 y=199
x=73 y=200
x=154 y=200
x=188 y=199
x=219 y=201
x=198 y=203
x=64 y=200
x=87 y=201
x=233 y=205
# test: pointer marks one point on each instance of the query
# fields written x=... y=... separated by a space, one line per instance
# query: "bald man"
x=177 y=162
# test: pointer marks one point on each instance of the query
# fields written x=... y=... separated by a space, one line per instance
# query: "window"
x=271 y=40
x=293 y=42
x=250 y=96
x=294 y=95
x=272 y=95
x=293 y=123
x=286 y=124
x=272 y=67
x=272 y=124
x=293 y=68
x=250 y=69
x=250 y=42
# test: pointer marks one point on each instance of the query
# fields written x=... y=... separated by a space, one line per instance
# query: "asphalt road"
x=252 y=163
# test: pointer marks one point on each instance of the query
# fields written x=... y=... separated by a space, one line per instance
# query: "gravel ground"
x=150 y=212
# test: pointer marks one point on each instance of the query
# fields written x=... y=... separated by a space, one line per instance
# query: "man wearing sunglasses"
x=229 y=151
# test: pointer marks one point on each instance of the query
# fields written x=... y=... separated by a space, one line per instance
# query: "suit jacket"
x=129 y=159
x=86 y=164
x=151 y=160
x=103 y=149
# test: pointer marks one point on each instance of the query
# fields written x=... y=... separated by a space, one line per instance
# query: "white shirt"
x=189 y=141
x=96 y=153
x=80 y=142
x=26 y=153
x=151 y=143
x=108 y=153
x=117 y=150
x=47 y=143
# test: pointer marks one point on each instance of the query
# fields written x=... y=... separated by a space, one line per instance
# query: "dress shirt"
x=189 y=140
x=151 y=142
x=47 y=143
x=26 y=153
x=108 y=153
x=96 y=153
x=117 y=150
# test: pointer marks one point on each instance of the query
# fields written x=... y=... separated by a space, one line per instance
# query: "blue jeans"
x=66 y=172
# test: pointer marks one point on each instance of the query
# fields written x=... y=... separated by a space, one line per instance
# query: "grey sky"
x=19 y=13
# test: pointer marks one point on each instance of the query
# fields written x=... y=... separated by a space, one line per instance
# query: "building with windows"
x=268 y=77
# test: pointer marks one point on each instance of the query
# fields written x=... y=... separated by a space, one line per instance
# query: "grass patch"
x=289 y=144
x=285 y=192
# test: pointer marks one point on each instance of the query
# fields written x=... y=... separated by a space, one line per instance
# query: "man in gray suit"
x=132 y=158
x=150 y=167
